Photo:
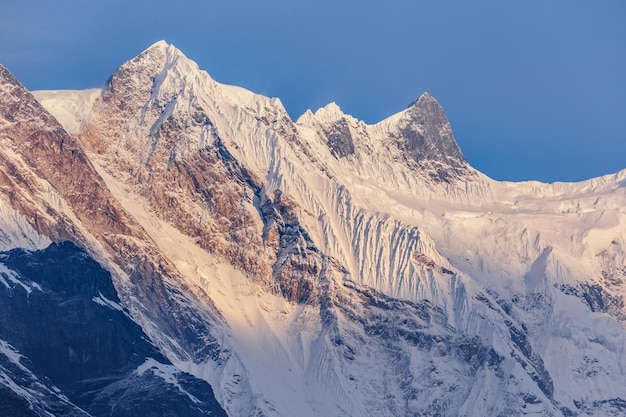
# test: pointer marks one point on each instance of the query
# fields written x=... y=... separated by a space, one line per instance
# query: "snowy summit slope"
x=337 y=268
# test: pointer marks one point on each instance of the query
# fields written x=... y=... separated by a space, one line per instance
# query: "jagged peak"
x=427 y=136
x=161 y=65
x=422 y=99
x=163 y=47
x=332 y=112
x=424 y=103
x=331 y=107
x=162 y=55
x=328 y=114
x=161 y=44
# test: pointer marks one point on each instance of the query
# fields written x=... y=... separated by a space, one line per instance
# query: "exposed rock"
x=64 y=315
x=426 y=140
x=339 y=139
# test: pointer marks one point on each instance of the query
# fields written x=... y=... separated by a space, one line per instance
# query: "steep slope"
x=51 y=192
x=22 y=393
x=361 y=270
x=50 y=181
x=60 y=310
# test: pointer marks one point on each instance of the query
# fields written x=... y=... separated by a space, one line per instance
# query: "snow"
x=7 y=350
x=404 y=235
x=167 y=373
x=160 y=44
x=327 y=114
x=16 y=232
x=509 y=238
x=35 y=392
x=72 y=108
x=105 y=302
x=260 y=325
x=8 y=277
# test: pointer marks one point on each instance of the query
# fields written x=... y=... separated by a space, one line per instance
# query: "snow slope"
x=71 y=107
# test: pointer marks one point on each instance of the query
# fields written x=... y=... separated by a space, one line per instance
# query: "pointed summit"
x=329 y=113
x=421 y=100
x=163 y=53
x=163 y=49
x=158 y=73
x=427 y=142
x=162 y=44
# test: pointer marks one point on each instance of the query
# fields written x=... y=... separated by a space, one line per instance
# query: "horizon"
x=533 y=92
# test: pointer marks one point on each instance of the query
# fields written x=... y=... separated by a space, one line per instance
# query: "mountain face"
x=316 y=267
x=60 y=310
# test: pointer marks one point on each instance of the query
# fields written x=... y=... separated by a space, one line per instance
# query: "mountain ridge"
x=348 y=269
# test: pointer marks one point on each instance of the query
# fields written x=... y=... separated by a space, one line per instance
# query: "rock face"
x=426 y=141
x=60 y=310
x=23 y=394
x=339 y=139
x=322 y=267
x=31 y=134
x=50 y=180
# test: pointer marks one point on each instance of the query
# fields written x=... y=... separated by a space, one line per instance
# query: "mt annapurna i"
x=170 y=243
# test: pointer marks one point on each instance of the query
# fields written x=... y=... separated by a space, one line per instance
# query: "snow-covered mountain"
x=322 y=267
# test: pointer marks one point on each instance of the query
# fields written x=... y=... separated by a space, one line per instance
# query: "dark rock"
x=339 y=139
x=72 y=328
x=426 y=140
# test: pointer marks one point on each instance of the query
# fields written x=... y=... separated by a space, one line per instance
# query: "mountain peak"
x=158 y=71
x=297 y=269
x=163 y=48
x=422 y=100
x=426 y=139
x=328 y=114
x=163 y=52
x=158 y=45
x=161 y=44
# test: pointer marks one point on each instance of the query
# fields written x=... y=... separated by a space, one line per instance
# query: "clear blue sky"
x=534 y=89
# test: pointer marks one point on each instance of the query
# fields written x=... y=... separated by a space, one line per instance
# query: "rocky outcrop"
x=59 y=309
x=51 y=154
x=51 y=181
x=339 y=139
x=426 y=141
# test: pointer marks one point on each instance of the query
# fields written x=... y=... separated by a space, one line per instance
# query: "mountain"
x=316 y=267
x=61 y=312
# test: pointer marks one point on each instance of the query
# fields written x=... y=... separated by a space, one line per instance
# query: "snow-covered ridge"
x=459 y=282
x=72 y=108
x=248 y=121
x=329 y=113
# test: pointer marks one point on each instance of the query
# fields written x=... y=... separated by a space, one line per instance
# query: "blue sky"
x=533 y=89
